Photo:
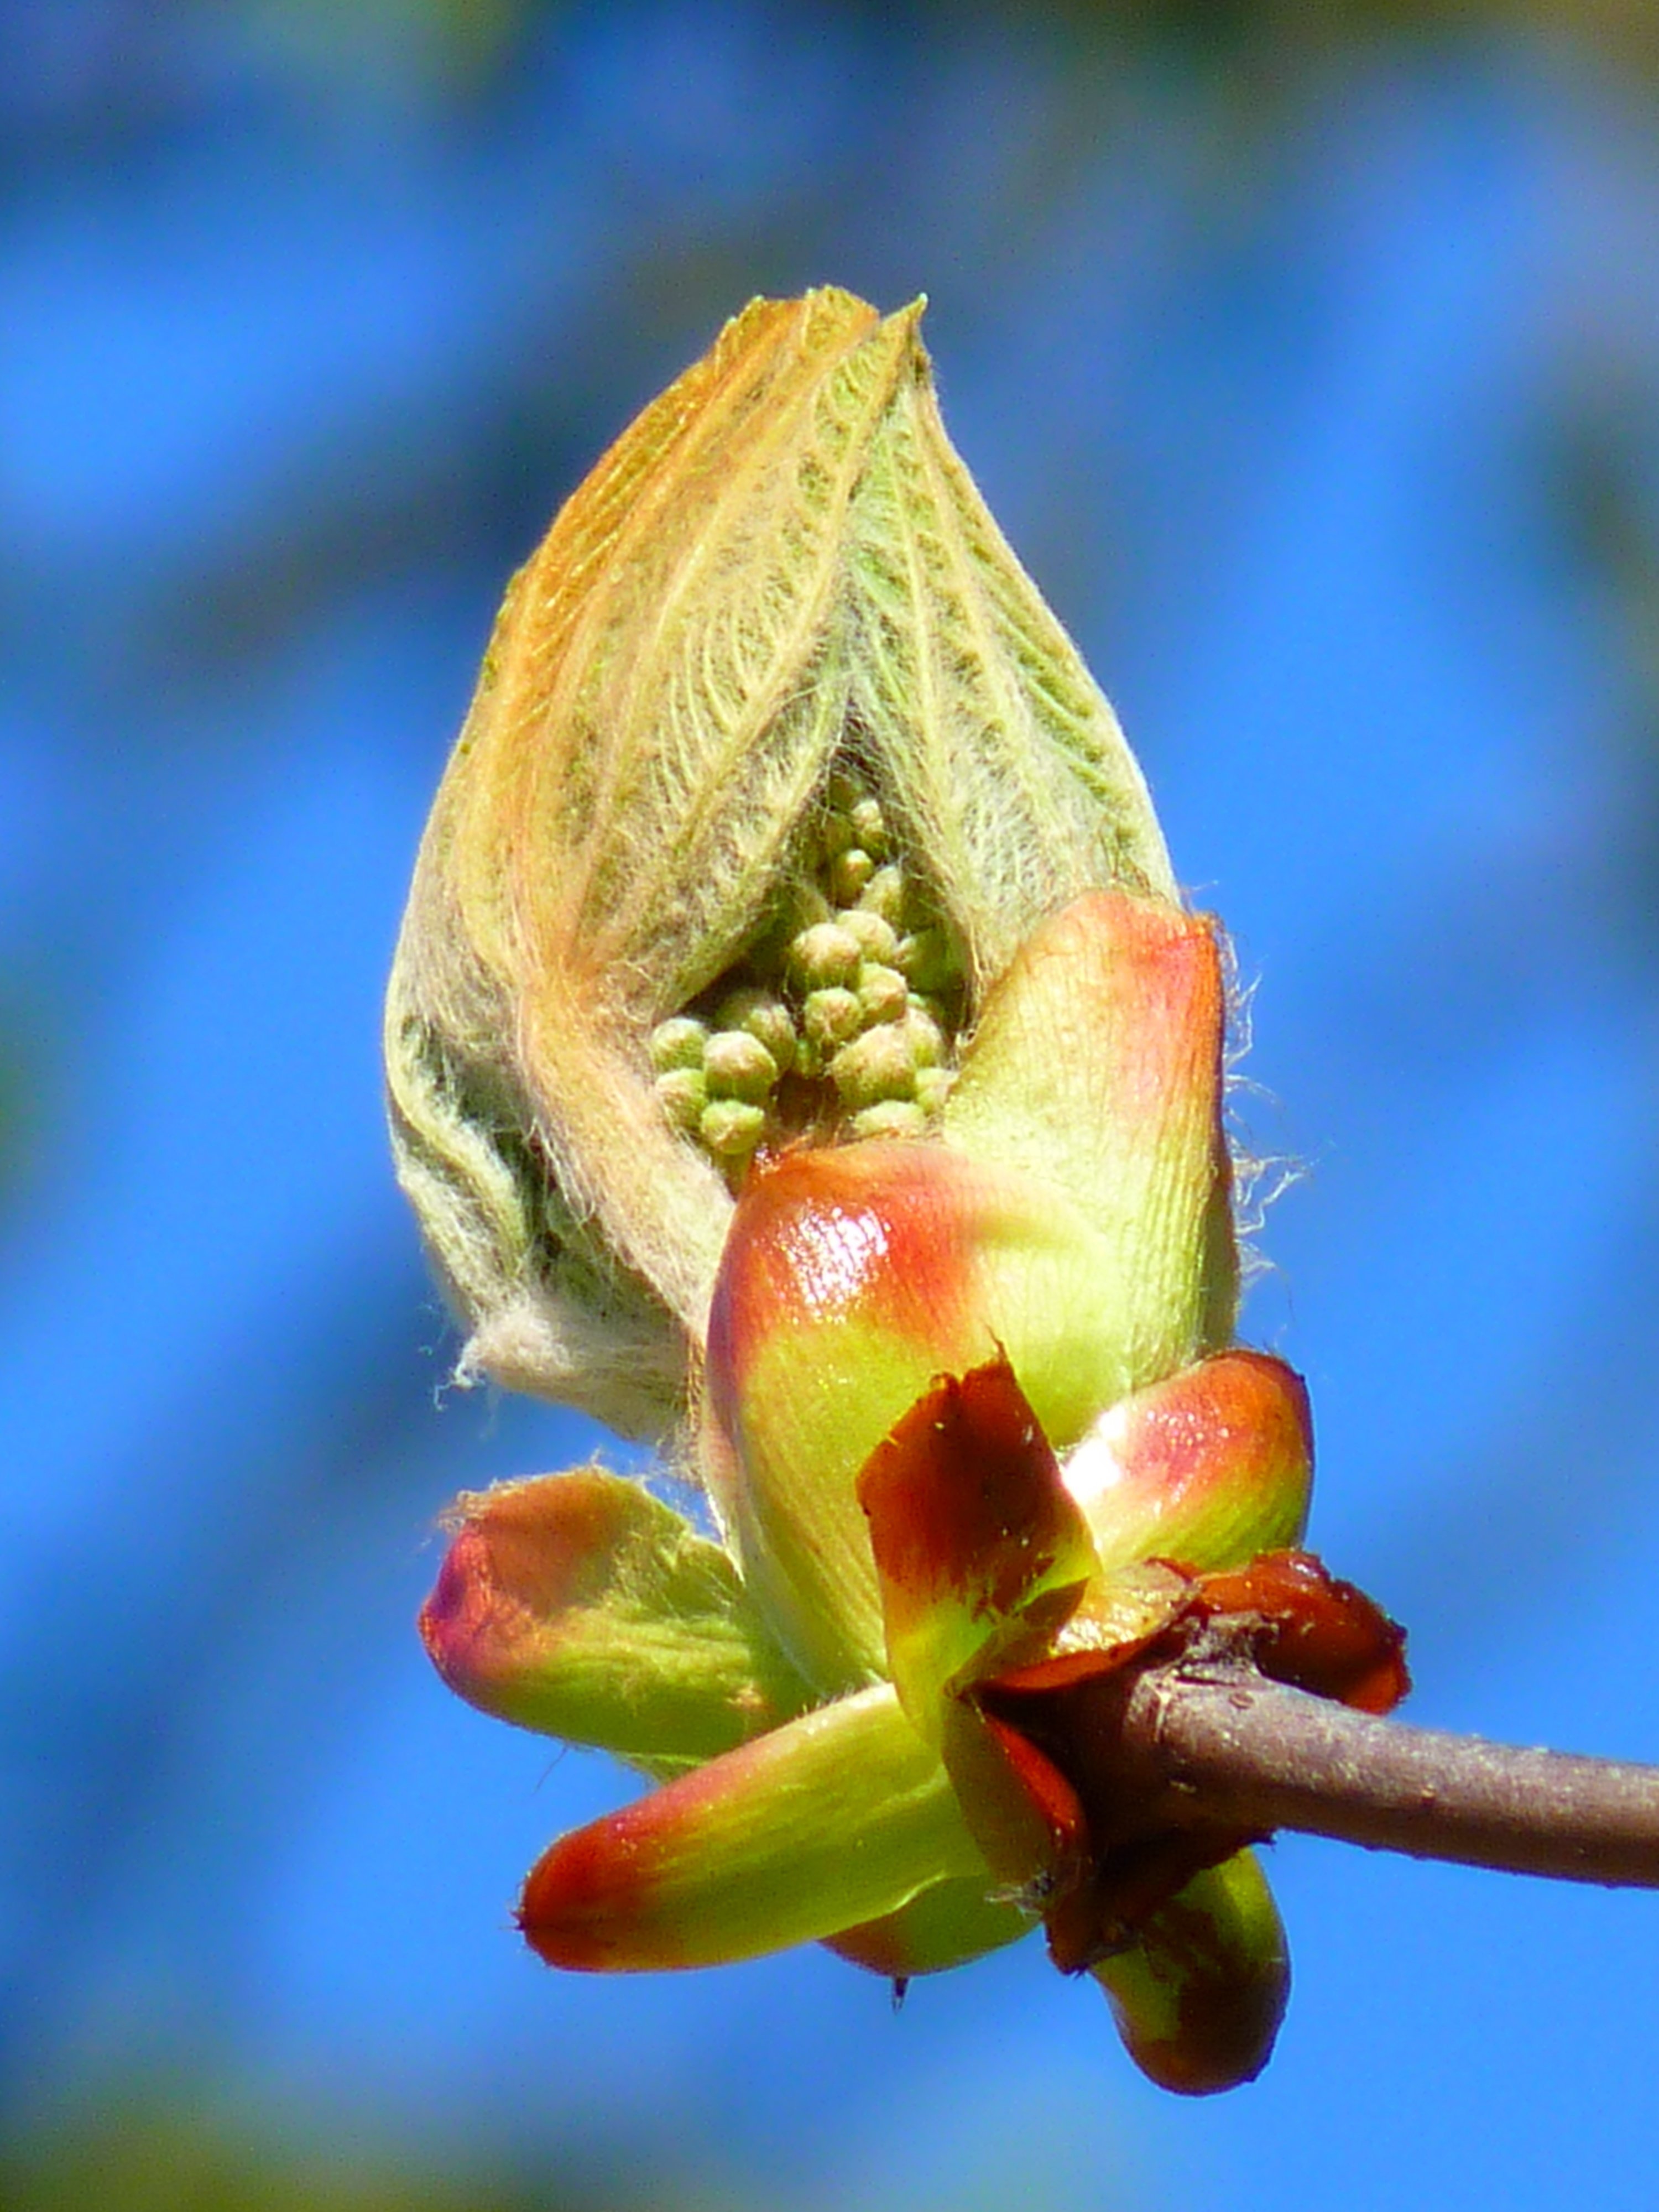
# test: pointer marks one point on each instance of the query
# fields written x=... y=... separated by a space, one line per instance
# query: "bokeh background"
x=1314 y=370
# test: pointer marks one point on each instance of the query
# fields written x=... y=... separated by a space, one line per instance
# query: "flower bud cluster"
x=777 y=762
x=847 y=1014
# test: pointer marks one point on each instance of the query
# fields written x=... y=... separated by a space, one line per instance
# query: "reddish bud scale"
x=1299 y=1624
x=964 y=1499
x=872 y=1229
x=1208 y=1467
x=1199 y=1999
x=524 y=1557
x=1061 y=1821
x=851 y=1279
x=977 y=1542
x=579 y=1605
x=834 y=1819
x=587 y=1904
x=1313 y=1631
x=1098 y=1066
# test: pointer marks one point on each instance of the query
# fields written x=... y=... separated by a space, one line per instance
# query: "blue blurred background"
x=1315 y=374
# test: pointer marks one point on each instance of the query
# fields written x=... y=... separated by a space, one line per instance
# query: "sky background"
x=1317 y=380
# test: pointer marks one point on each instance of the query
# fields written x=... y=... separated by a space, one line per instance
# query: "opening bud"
x=772 y=720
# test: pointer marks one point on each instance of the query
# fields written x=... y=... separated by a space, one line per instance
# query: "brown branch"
x=1222 y=1745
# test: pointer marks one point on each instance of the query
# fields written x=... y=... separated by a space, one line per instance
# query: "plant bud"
x=767 y=1020
x=874 y=936
x=774 y=630
x=678 y=1043
x=883 y=994
x=823 y=957
x=793 y=1002
x=739 y=1065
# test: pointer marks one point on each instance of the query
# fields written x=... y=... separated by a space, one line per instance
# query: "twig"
x=1227 y=1747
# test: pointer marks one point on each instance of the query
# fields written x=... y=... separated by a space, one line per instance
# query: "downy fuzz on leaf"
x=776 y=759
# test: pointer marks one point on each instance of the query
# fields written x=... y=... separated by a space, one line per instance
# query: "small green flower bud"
x=874 y=935
x=682 y=1092
x=836 y=836
x=924 y=1039
x=738 y=1065
x=678 y=1043
x=824 y=956
x=875 y=1067
x=882 y=992
x=925 y=957
x=848 y=874
x=869 y=828
x=731 y=1128
x=831 y=1017
x=933 y=1088
x=765 y=1017
x=893 y=1117
x=884 y=895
